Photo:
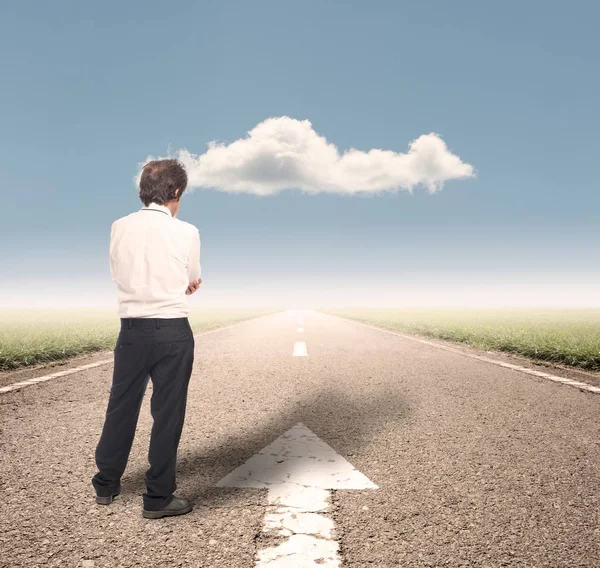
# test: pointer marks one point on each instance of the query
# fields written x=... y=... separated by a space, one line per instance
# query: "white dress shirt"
x=153 y=258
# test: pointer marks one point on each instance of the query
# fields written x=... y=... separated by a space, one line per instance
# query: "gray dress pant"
x=147 y=348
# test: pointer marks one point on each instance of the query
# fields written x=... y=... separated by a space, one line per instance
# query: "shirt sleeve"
x=110 y=252
x=194 y=268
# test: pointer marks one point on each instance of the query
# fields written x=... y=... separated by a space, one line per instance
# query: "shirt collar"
x=158 y=207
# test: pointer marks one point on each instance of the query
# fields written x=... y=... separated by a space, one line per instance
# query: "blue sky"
x=91 y=89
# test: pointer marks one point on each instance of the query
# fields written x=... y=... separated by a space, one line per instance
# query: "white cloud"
x=285 y=153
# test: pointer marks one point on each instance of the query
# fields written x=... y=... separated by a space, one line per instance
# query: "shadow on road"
x=341 y=421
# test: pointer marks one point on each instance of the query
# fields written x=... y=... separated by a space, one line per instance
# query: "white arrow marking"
x=299 y=470
x=300 y=349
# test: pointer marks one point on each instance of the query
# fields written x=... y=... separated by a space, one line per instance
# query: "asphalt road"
x=476 y=465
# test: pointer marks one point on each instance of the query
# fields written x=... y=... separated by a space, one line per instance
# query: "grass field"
x=32 y=336
x=568 y=337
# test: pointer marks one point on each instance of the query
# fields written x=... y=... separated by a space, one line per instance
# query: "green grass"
x=33 y=336
x=568 y=337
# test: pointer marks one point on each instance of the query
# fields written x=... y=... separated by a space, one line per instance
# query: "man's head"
x=163 y=182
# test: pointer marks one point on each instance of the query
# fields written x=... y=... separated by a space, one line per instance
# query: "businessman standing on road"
x=155 y=262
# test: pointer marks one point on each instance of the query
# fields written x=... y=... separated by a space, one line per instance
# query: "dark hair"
x=160 y=179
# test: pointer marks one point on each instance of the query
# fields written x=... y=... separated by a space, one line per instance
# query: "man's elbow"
x=194 y=274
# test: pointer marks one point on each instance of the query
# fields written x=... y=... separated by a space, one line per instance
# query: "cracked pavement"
x=476 y=465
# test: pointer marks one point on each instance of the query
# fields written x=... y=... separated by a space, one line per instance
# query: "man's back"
x=153 y=258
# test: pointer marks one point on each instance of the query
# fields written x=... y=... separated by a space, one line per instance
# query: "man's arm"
x=194 y=258
x=110 y=252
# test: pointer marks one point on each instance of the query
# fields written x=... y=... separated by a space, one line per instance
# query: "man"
x=155 y=261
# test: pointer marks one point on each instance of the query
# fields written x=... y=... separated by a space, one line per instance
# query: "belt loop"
x=157 y=323
x=129 y=322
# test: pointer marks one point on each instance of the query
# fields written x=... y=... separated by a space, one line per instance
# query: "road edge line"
x=42 y=379
x=563 y=380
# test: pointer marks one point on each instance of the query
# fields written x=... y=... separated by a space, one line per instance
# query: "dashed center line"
x=300 y=349
x=300 y=330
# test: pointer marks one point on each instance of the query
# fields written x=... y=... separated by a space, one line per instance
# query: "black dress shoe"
x=174 y=508
x=109 y=498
